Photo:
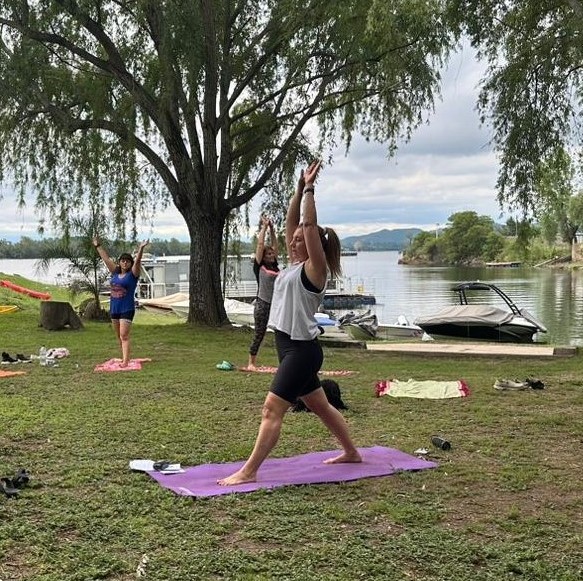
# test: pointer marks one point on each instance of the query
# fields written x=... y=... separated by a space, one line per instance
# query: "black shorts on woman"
x=299 y=364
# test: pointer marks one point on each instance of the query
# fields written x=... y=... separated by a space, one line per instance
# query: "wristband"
x=97 y=245
x=308 y=190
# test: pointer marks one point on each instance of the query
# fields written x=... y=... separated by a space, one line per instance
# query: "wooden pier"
x=436 y=349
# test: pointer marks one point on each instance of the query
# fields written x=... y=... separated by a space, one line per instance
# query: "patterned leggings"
x=261 y=315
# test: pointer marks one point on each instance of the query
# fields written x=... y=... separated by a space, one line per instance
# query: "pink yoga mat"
x=115 y=365
x=304 y=469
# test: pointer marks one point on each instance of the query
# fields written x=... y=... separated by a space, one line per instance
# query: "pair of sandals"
x=528 y=383
x=11 y=486
x=7 y=359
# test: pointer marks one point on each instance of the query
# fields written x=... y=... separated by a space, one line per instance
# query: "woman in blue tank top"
x=298 y=292
x=122 y=305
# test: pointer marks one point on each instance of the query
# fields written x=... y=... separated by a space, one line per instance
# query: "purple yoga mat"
x=304 y=469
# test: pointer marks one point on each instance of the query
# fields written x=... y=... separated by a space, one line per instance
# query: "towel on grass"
x=115 y=365
x=201 y=481
x=422 y=389
x=10 y=373
x=268 y=369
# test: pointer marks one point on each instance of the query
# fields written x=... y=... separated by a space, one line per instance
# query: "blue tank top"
x=123 y=289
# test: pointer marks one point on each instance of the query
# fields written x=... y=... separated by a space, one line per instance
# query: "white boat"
x=366 y=328
x=482 y=321
x=238 y=312
x=402 y=328
x=163 y=304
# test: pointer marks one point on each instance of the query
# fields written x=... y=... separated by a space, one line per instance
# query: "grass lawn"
x=505 y=503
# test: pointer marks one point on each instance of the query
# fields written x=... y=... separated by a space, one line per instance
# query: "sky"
x=447 y=167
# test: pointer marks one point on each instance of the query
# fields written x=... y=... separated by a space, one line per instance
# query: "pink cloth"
x=115 y=365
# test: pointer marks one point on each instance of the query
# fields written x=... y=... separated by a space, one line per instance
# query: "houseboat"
x=166 y=275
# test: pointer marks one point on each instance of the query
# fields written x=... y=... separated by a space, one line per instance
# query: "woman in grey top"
x=266 y=270
x=298 y=292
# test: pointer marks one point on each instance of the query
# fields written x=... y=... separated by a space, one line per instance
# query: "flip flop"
x=7 y=487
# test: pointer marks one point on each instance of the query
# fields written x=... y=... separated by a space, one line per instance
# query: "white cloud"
x=447 y=167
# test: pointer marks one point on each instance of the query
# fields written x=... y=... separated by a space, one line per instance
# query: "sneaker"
x=23 y=358
x=7 y=360
x=502 y=384
x=534 y=383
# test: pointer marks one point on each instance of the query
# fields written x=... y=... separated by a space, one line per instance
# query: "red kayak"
x=21 y=289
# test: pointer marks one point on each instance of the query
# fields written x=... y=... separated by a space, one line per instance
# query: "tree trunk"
x=206 y=305
x=55 y=315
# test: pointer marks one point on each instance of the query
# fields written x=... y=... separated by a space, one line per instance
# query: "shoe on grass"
x=534 y=383
x=503 y=384
x=7 y=359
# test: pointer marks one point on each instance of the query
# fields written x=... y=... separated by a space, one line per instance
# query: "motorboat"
x=359 y=326
x=401 y=328
x=365 y=327
x=508 y=323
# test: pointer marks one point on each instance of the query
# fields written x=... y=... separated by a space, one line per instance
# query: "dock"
x=510 y=264
x=435 y=349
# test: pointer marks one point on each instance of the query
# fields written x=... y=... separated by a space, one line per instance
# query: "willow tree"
x=560 y=210
x=533 y=90
x=121 y=106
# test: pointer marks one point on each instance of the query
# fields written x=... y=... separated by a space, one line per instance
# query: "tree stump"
x=55 y=316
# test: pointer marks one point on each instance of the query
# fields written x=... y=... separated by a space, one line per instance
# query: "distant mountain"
x=382 y=240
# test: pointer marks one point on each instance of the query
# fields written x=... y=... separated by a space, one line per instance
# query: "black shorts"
x=127 y=316
x=299 y=363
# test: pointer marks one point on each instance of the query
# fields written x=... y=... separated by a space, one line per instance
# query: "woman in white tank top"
x=298 y=292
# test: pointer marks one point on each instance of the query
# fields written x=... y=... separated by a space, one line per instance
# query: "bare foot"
x=123 y=363
x=238 y=477
x=250 y=367
x=352 y=457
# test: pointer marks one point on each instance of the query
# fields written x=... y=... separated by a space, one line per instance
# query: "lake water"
x=555 y=297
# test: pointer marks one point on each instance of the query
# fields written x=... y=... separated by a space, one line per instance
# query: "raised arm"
x=315 y=267
x=111 y=266
x=292 y=219
x=261 y=240
x=137 y=266
x=273 y=239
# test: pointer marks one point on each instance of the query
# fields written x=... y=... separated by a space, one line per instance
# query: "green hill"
x=381 y=240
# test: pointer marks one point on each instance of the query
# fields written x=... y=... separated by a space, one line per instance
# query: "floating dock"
x=435 y=349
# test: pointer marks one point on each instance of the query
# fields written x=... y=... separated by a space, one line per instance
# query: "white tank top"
x=293 y=306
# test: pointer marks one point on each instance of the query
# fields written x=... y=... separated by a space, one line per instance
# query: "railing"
x=242 y=288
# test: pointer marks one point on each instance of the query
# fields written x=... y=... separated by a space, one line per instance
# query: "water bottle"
x=440 y=442
x=42 y=355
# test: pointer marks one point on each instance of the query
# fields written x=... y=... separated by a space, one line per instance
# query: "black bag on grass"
x=332 y=391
